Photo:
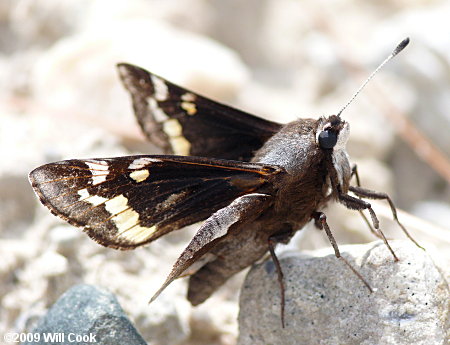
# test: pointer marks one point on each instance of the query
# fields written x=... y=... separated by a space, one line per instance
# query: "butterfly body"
x=293 y=197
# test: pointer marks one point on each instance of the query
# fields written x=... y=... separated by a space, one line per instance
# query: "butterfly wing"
x=240 y=212
x=184 y=123
x=128 y=201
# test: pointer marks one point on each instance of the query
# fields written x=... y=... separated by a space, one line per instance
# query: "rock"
x=79 y=72
x=49 y=264
x=87 y=315
x=213 y=324
x=327 y=304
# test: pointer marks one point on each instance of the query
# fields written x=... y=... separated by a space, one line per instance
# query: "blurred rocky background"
x=60 y=98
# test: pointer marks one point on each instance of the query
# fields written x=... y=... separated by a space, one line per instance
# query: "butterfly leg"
x=358 y=183
x=282 y=237
x=321 y=219
x=370 y=194
x=353 y=203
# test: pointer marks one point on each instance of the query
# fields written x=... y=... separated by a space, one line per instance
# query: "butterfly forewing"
x=185 y=123
x=125 y=202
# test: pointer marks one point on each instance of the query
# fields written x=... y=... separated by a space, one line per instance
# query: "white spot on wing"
x=180 y=146
x=172 y=128
x=94 y=200
x=188 y=97
x=189 y=107
x=158 y=113
x=174 y=131
x=142 y=162
x=161 y=89
x=140 y=175
x=83 y=193
x=127 y=220
x=138 y=233
x=116 y=204
x=99 y=170
x=97 y=165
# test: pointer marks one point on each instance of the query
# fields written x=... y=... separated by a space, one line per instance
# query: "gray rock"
x=87 y=315
x=327 y=304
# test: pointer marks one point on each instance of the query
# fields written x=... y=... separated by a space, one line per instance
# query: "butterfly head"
x=332 y=133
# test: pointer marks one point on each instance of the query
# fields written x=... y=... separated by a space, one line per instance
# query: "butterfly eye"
x=327 y=139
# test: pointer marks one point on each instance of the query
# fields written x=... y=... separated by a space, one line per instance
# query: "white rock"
x=15 y=253
x=434 y=211
x=42 y=22
x=137 y=275
x=165 y=321
x=39 y=281
x=216 y=318
x=49 y=264
x=79 y=72
x=66 y=239
x=327 y=304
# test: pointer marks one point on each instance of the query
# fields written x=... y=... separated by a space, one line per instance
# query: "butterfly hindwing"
x=222 y=223
x=128 y=201
x=185 y=123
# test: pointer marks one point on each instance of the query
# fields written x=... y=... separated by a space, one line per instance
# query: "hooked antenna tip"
x=401 y=46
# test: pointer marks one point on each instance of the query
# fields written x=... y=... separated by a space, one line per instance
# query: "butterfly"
x=253 y=182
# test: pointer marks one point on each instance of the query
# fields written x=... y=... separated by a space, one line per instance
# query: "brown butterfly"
x=255 y=182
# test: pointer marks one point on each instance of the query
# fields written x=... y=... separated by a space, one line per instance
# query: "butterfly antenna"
x=397 y=50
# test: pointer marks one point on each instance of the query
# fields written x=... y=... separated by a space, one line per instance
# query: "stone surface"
x=87 y=315
x=327 y=304
x=63 y=76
